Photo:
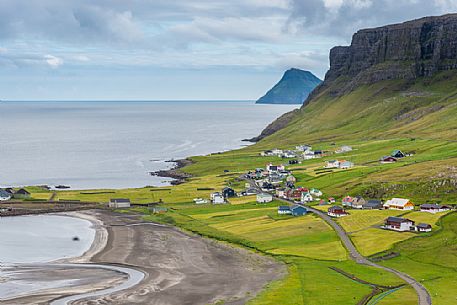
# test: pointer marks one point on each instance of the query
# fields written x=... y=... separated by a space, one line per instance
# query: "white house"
x=119 y=203
x=346 y=164
x=200 y=201
x=398 y=204
x=217 y=198
x=434 y=208
x=288 y=154
x=303 y=148
x=277 y=152
x=264 y=198
x=344 y=149
x=306 y=197
x=4 y=195
x=308 y=155
x=399 y=224
x=315 y=192
x=332 y=164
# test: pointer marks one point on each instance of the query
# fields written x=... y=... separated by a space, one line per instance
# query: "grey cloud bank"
x=137 y=41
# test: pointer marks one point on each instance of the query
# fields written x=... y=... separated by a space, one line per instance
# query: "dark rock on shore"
x=175 y=172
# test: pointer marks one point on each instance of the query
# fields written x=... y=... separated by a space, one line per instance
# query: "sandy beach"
x=179 y=268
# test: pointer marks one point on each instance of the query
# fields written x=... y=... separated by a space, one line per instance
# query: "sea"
x=43 y=238
x=92 y=145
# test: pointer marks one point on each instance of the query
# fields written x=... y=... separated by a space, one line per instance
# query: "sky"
x=177 y=49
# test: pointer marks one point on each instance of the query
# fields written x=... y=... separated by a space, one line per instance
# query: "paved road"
x=422 y=293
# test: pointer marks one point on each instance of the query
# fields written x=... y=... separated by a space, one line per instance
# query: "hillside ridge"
x=403 y=54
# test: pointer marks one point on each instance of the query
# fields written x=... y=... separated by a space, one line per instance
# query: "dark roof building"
x=373 y=204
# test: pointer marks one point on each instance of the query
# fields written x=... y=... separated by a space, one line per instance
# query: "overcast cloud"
x=71 y=49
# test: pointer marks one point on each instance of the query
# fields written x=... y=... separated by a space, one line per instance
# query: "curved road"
x=422 y=293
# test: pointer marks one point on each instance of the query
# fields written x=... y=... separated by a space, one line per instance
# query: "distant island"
x=293 y=88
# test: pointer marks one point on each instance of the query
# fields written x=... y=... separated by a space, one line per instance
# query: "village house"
x=372 y=204
x=315 y=192
x=264 y=198
x=318 y=153
x=217 y=198
x=303 y=148
x=434 y=208
x=423 y=227
x=347 y=201
x=158 y=210
x=294 y=194
x=21 y=194
x=398 y=204
x=331 y=200
x=292 y=162
x=306 y=197
x=298 y=210
x=274 y=168
x=397 y=154
x=281 y=192
x=291 y=178
x=358 y=202
x=398 y=224
x=267 y=153
x=346 y=164
x=336 y=211
x=4 y=195
x=275 y=178
x=288 y=154
x=332 y=164
x=284 y=210
x=228 y=192
x=251 y=191
x=200 y=201
x=344 y=149
x=308 y=155
x=118 y=203
x=323 y=202
x=388 y=159
x=267 y=186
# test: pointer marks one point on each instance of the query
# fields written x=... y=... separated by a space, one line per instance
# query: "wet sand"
x=179 y=268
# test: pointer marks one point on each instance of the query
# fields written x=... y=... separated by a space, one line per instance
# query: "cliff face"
x=293 y=88
x=408 y=50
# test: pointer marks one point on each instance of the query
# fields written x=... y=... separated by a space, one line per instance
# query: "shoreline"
x=175 y=172
x=182 y=269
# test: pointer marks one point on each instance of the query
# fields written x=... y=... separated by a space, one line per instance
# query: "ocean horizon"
x=116 y=144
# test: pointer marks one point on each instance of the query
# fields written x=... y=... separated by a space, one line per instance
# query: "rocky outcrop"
x=293 y=88
x=407 y=50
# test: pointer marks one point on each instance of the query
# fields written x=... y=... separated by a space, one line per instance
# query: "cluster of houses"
x=391 y=223
x=394 y=157
x=10 y=193
x=343 y=164
x=304 y=152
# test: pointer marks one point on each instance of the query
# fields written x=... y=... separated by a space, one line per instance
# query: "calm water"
x=116 y=144
x=43 y=238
